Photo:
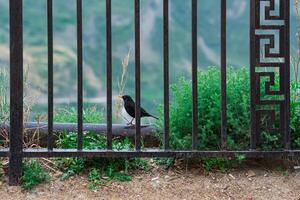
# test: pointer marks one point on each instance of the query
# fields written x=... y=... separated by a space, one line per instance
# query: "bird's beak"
x=120 y=97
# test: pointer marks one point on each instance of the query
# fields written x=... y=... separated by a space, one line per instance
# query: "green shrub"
x=209 y=116
x=209 y=123
x=33 y=174
x=295 y=114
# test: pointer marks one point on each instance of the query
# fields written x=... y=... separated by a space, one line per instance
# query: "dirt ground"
x=243 y=183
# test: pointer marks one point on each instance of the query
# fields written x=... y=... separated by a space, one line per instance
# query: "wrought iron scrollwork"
x=270 y=69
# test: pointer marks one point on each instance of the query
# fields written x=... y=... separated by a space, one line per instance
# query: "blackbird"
x=129 y=106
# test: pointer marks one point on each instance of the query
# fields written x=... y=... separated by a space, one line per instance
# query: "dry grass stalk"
x=122 y=82
x=29 y=140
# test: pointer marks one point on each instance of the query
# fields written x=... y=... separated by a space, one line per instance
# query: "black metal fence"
x=262 y=19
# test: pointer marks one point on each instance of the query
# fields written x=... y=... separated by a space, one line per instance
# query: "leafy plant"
x=209 y=123
x=112 y=168
x=90 y=115
x=209 y=112
x=33 y=174
x=70 y=166
x=221 y=163
x=165 y=162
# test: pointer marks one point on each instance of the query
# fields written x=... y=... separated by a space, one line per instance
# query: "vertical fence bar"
x=16 y=91
x=253 y=18
x=194 y=75
x=109 y=74
x=166 y=72
x=287 y=131
x=137 y=76
x=79 y=75
x=50 y=73
x=223 y=77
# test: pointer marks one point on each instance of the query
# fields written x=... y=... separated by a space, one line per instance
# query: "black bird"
x=129 y=106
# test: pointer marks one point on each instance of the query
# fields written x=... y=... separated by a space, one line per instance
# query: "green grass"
x=69 y=115
x=99 y=170
x=33 y=174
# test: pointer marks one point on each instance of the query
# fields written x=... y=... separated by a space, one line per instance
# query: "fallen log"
x=148 y=132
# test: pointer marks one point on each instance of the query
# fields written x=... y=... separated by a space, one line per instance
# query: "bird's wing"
x=145 y=114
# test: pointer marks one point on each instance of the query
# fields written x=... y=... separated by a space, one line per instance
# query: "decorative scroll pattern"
x=269 y=69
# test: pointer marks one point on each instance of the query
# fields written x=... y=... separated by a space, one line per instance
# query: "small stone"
x=231 y=176
x=58 y=174
x=154 y=179
x=296 y=167
x=250 y=173
x=155 y=183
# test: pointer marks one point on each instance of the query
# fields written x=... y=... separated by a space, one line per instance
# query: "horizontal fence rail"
x=257 y=28
x=150 y=153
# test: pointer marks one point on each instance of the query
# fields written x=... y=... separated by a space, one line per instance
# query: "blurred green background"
x=65 y=74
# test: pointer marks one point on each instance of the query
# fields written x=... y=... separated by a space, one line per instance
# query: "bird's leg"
x=130 y=123
x=125 y=119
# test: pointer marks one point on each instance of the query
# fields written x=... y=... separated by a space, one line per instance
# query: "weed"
x=33 y=174
x=165 y=162
x=222 y=164
x=110 y=168
x=209 y=121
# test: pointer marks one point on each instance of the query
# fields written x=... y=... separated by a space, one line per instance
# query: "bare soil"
x=249 y=183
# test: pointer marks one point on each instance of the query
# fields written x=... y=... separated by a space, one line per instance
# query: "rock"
x=231 y=176
x=154 y=179
x=250 y=173
x=296 y=167
x=58 y=174
x=155 y=183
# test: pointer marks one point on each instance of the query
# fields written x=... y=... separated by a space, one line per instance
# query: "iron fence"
x=258 y=27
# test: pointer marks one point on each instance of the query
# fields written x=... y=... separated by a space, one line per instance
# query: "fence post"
x=273 y=62
x=16 y=92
